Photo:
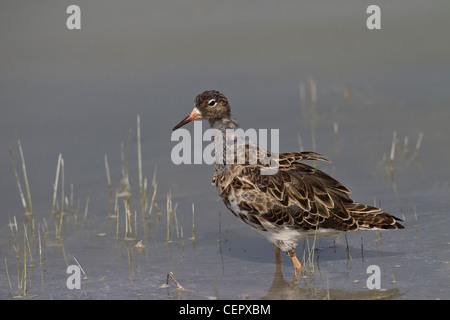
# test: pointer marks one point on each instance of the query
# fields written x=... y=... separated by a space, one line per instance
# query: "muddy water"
x=78 y=93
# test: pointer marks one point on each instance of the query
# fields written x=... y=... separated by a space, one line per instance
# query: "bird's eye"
x=212 y=103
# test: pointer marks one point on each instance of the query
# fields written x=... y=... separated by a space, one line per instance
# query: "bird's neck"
x=224 y=125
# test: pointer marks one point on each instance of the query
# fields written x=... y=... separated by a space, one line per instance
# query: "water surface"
x=78 y=93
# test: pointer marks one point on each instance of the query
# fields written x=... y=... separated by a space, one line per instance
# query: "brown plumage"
x=295 y=202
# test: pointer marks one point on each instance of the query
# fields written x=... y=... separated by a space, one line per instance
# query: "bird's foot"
x=297 y=265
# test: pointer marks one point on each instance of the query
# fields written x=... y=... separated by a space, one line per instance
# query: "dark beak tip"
x=191 y=117
x=182 y=123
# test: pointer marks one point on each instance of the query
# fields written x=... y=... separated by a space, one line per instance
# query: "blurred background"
x=78 y=92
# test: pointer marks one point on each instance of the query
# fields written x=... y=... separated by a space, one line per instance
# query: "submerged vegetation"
x=136 y=221
x=132 y=221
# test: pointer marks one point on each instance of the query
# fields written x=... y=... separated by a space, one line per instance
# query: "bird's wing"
x=298 y=196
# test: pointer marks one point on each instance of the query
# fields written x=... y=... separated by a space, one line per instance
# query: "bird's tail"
x=369 y=217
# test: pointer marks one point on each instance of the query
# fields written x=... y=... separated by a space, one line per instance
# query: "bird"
x=295 y=202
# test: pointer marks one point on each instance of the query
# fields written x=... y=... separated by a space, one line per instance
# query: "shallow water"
x=79 y=92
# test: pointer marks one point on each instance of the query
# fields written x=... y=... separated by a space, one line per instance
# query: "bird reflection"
x=281 y=289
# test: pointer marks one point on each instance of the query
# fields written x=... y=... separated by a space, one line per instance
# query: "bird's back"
x=297 y=197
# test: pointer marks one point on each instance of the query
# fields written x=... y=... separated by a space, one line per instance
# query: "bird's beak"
x=194 y=115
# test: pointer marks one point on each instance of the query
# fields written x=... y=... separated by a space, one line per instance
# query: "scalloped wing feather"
x=297 y=196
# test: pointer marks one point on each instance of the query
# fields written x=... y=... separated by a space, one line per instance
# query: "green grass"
x=28 y=207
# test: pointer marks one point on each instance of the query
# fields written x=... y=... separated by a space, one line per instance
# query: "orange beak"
x=194 y=115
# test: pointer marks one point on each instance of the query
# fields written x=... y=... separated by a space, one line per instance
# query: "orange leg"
x=297 y=265
x=277 y=258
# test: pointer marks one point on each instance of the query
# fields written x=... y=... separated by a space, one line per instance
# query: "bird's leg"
x=277 y=259
x=297 y=265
